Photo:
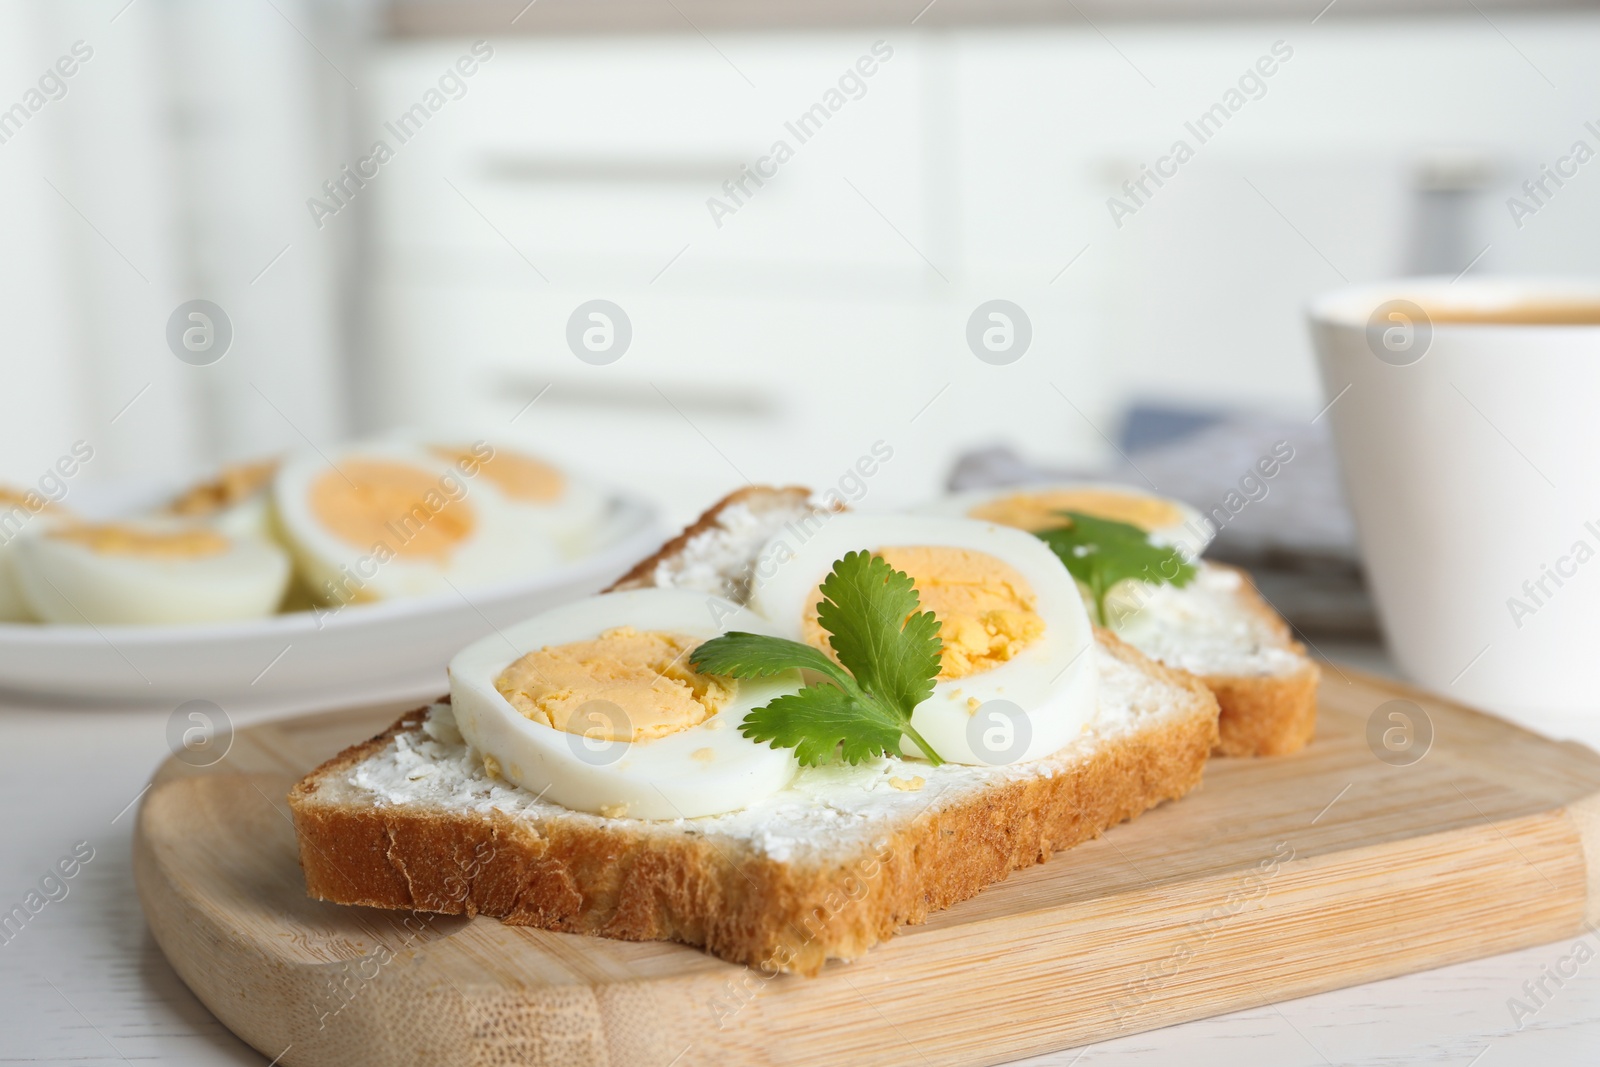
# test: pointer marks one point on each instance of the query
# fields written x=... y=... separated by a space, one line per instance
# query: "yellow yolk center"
x=624 y=685
x=1040 y=511
x=985 y=608
x=369 y=501
x=518 y=477
x=110 y=539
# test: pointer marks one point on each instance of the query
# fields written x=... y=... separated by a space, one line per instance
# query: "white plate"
x=363 y=653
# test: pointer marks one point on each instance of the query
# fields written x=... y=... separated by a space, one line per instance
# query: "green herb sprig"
x=1102 y=552
x=888 y=658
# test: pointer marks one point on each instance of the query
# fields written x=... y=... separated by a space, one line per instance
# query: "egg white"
x=1053 y=680
x=655 y=779
x=69 y=582
x=16 y=521
x=249 y=517
x=13 y=606
x=1191 y=534
x=499 y=547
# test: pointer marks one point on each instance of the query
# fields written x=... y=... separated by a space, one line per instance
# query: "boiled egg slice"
x=567 y=508
x=593 y=705
x=236 y=500
x=137 y=572
x=1037 y=508
x=1017 y=679
x=20 y=511
x=372 y=522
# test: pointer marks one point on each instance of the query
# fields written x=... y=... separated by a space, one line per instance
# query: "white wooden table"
x=84 y=983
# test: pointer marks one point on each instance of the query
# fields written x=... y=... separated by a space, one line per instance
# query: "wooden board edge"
x=302 y=1014
x=1577 y=821
x=1584 y=816
x=245 y=984
x=169 y=918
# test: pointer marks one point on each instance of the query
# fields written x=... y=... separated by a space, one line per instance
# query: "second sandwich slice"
x=1210 y=622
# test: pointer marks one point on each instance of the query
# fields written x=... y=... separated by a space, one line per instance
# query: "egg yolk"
x=110 y=539
x=1041 y=511
x=985 y=608
x=625 y=685
x=367 y=502
x=517 y=476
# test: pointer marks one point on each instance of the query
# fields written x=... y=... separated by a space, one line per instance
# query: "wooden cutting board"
x=1352 y=861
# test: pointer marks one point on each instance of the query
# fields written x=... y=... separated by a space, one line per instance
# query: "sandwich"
x=1138 y=558
x=782 y=737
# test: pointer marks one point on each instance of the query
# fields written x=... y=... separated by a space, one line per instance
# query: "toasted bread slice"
x=1219 y=629
x=822 y=870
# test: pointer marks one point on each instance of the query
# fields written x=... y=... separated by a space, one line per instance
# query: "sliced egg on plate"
x=594 y=706
x=1036 y=508
x=236 y=500
x=18 y=511
x=371 y=522
x=146 y=571
x=567 y=508
x=1017 y=680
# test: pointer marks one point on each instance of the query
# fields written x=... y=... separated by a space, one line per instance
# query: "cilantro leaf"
x=889 y=653
x=816 y=721
x=870 y=612
x=1100 y=553
x=740 y=655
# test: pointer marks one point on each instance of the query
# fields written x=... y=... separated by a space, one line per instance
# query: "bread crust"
x=640 y=577
x=635 y=881
x=1265 y=714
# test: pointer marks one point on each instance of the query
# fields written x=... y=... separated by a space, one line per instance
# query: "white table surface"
x=84 y=982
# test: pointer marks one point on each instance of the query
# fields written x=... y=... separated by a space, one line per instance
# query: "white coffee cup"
x=1467 y=420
